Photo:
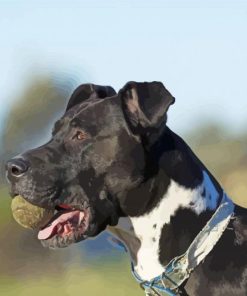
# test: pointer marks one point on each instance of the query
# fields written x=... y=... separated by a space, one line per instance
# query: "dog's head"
x=97 y=155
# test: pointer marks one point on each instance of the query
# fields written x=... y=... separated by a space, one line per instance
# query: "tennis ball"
x=28 y=215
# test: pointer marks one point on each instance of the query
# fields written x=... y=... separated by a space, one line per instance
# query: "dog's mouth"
x=67 y=224
x=73 y=219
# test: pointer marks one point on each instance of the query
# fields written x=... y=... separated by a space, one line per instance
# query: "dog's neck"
x=168 y=227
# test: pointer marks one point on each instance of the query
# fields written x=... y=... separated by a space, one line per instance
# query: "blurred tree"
x=31 y=116
x=217 y=148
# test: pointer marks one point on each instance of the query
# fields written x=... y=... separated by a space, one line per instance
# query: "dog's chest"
x=148 y=228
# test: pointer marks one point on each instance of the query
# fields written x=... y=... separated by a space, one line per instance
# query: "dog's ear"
x=145 y=104
x=88 y=91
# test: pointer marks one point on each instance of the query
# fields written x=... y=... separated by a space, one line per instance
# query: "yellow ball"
x=28 y=215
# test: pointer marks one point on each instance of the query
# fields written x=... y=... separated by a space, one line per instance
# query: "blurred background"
x=198 y=49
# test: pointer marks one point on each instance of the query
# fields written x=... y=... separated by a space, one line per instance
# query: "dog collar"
x=178 y=270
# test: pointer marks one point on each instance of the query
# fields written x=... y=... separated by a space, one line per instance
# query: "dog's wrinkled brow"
x=66 y=121
x=58 y=125
x=75 y=122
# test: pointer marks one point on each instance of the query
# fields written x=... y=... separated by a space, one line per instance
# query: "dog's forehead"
x=88 y=113
x=80 y=108
x=87 y=108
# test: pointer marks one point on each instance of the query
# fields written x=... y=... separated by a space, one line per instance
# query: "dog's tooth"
x=81 y=216
x=60 y=229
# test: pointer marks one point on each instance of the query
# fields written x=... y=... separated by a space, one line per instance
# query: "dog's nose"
x=16 y=167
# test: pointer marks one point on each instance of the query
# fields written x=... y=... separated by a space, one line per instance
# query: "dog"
x=113 y=164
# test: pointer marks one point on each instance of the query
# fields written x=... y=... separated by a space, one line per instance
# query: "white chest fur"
x=147 y=228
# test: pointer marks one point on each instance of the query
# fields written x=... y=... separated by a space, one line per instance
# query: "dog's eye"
x=79 y=135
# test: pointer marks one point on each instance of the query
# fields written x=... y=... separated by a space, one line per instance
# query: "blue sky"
x=198 y=49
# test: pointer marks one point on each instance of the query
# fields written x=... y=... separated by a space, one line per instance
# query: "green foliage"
x=105 y=280
x=33 y=113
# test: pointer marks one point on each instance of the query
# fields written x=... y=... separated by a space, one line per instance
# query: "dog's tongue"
x=73 y=217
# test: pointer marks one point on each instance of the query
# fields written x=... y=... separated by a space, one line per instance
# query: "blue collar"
x=156 y=285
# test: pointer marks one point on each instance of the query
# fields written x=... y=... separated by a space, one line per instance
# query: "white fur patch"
x=199 y=199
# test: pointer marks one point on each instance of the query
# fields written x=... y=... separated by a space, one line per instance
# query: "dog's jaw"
x=143 y=235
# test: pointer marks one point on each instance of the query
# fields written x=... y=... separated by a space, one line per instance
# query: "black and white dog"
x=113 y=162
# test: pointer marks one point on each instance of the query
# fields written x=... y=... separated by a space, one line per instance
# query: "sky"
x=198 y=49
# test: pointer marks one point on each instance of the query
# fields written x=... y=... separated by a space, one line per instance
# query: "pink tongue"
x=63 y=218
